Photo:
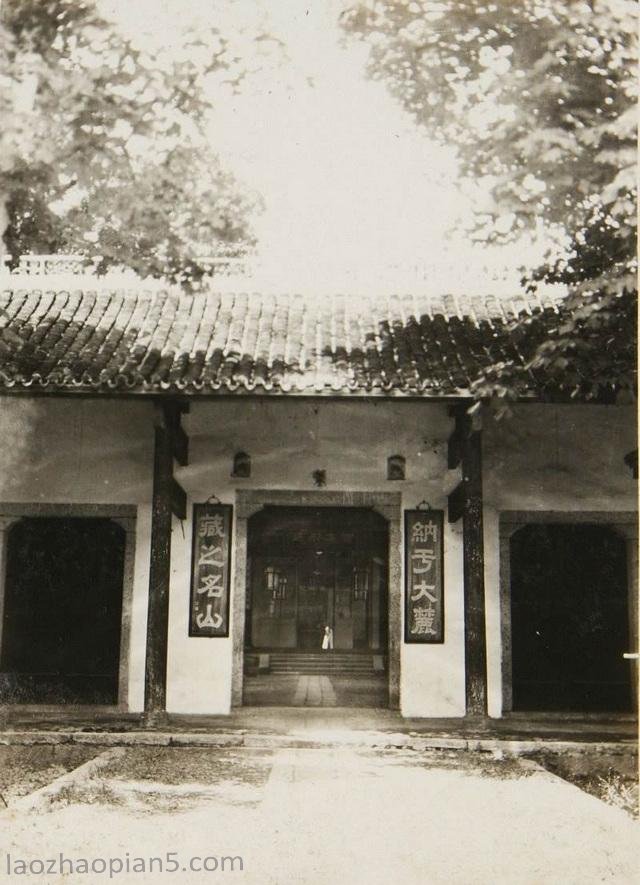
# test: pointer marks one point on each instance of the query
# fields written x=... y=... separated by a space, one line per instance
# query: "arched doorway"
x=62 y=611
x=312 y=568
x=569 y=619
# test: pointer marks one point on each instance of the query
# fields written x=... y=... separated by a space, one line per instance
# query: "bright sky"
x=351 y=187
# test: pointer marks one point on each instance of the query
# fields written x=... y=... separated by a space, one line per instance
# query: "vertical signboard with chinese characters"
x=210 y=569
x=424 y=576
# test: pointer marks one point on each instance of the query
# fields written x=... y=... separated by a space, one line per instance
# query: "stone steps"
x=309 y=670
x=347 y=664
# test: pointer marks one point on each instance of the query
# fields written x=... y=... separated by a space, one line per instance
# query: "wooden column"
x=168 y=499
x=475 y=642
x=465 y=448
x=155 y=677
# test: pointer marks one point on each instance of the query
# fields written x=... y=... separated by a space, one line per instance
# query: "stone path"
x=317 y=817
x=314 y=691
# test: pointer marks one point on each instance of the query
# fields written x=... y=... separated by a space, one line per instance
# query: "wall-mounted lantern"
x=241 y=465
x=396 y=467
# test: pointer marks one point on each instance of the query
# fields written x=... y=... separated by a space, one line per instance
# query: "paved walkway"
x=315 y=690
x=299 y=816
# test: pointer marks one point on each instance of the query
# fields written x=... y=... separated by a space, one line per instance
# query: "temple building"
x=211 y=500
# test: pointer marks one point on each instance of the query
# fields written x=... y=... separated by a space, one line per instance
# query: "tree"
x=538 y=98
x=103 y=148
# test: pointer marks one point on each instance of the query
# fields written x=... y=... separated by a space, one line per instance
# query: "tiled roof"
x=154 y=340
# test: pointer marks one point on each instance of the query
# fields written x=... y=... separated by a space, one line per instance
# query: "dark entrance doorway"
x=311 y=568
x=569 y=619
x=317 y=567
x=62 y=611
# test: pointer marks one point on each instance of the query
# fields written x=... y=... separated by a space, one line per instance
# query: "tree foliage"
x=538 y=98
x=103 y=149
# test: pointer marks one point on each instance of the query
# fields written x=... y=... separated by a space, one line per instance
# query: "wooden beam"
x=155 y=677
x=172 y=413
x=461 y=430
x=475 y=643
x=455 y=502
x=178 y=500
x=180 y=445
x=454 y=453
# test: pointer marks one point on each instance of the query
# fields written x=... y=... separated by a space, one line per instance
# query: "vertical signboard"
x=210 y=568
x=424 y=576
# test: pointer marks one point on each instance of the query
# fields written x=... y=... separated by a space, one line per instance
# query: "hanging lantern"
x=271 y=576
x=281 y=589
x=276 y=582
x=360 y=582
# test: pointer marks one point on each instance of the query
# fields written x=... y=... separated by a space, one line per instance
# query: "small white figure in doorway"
x=327 y=639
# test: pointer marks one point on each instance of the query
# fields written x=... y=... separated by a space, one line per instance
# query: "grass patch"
x=610 y=779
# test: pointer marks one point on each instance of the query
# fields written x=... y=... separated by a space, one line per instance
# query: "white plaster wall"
x=82 y=451
x=566 y=457
x=75 y=450
x=432 y=676
x=550 y=457
x=287 y=441
x=89 y=451
x=493 y=619
x=138 y=635
x=199 y=667
x=544 y=457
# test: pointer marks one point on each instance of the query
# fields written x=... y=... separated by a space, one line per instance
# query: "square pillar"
x=170 y=441
x=155 y=676
x=475 y=638
x=466 y=503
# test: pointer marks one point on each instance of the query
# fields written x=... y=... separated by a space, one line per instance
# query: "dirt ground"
x=25 y=769
x=322 y=816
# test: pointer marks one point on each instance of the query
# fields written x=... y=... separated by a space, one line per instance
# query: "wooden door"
x=315 y=599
